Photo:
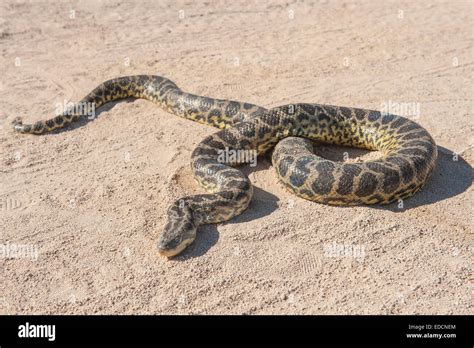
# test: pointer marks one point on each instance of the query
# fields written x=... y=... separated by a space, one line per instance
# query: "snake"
x=408 y=152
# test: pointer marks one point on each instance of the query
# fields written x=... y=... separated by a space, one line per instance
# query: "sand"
x=81 y=209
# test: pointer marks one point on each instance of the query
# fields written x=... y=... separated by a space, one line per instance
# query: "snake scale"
x=409 y=152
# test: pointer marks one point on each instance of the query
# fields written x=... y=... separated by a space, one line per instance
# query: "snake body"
x=409 y=152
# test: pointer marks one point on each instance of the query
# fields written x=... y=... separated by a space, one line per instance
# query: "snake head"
x=179 y=231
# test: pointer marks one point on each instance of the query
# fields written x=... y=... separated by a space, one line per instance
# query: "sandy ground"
x=85 y=206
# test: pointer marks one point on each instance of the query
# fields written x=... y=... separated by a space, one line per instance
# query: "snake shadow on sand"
x=451 y=177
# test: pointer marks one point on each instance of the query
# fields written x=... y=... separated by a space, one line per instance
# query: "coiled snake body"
x=409 y=152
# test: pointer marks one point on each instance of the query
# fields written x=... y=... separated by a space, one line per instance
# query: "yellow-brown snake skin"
x=409 y=152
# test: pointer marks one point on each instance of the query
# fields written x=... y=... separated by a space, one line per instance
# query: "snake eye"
x=176 y=236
